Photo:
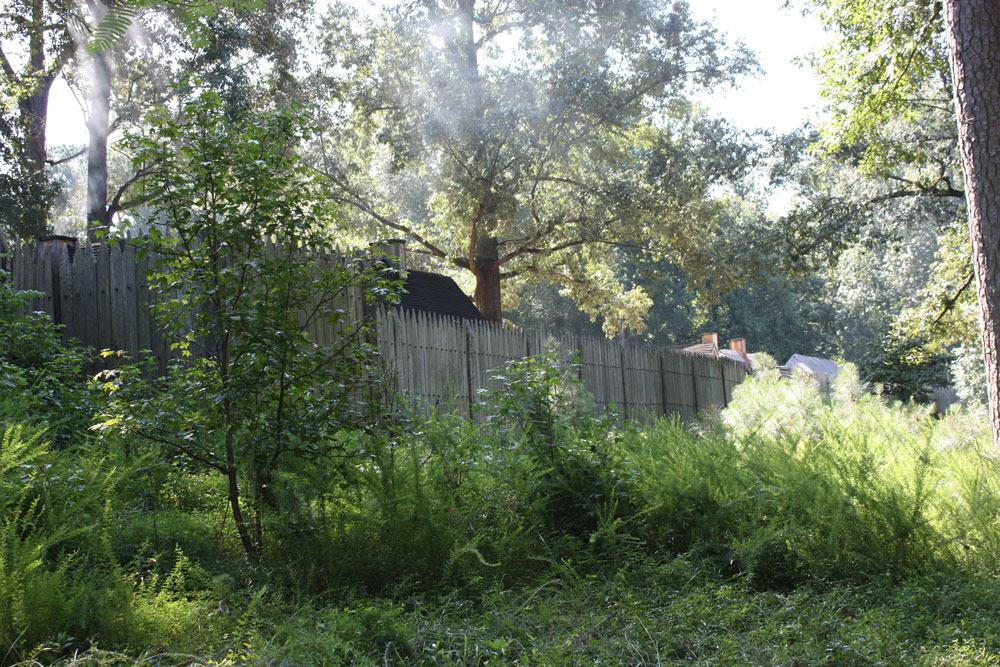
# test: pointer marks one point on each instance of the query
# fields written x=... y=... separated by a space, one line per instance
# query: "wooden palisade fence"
x=102 y=298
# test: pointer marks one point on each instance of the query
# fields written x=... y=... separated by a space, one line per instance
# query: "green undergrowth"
x=783 y=530
x=646 y=611
x=789 y=490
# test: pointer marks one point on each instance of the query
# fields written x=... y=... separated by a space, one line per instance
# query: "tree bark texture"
x=35 y=104
x=486 y=268
x=34 y=113
x=973 y=31
x=97 y=126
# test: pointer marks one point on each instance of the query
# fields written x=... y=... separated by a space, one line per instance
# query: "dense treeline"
x=655 y=220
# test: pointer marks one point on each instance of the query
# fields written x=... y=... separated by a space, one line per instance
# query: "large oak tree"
x=528 y=140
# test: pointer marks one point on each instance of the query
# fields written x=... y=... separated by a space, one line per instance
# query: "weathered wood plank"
x=130 y=307
x=116 y=292
x=431 y=362
x=102 y=288
x=46 y=284
x=65 y=310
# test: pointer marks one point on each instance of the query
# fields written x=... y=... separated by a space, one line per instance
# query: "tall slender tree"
x=98 y=129
x=973 y=32
x=225 y=43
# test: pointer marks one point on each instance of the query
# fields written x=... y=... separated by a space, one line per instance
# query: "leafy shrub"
x=244 y=272
x=441 y=499
x=427 y=503
x=540 y=412
x=905 y=369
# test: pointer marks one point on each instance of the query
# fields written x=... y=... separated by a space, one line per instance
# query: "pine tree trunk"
x=973 y=32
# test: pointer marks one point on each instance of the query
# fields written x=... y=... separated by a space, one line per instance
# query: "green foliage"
x=441 y=499
x=113 y=26
x=670 y=612
x=888 y=62
x=57 y=582
x=850 y=528
x=905 y=370
x=540 y=410
x=796 y=491
x=244 y=271
x=25 y=194
x=532 y=138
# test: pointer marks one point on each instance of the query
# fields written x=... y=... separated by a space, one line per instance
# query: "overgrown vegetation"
x=781 y=530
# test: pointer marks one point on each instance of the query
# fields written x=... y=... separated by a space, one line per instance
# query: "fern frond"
x=112 y=29
x=18 y=447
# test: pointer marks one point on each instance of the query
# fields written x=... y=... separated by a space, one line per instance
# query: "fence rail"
x=101 y=296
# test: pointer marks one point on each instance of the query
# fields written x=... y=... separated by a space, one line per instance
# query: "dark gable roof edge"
x=435 y=293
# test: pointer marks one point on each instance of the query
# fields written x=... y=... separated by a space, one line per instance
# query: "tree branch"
x=6 y=66
x=115 y=206
x=927 y=191
x=367 y=209
x=169 y=442
x=61 y=61
x=950 y=303
x=510 y=25
x=55 y=163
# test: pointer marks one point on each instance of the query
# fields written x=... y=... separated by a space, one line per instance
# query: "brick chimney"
x=392 y=252
x=740 y=345
x=710 y=339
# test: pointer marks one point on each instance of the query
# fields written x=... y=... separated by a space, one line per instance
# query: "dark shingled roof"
x=735 y=356
x=435 y=293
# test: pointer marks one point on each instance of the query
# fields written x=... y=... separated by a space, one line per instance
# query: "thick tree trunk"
x=487 y=272
x=33 y=102
x=34 y=113
x=973 y=31
x=34 y=107
x=97 y=152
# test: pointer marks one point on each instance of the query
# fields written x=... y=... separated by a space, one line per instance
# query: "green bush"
x=444 y=500
x=905 y=369
x=540 y=413
x=242 y=250
x=426 y=505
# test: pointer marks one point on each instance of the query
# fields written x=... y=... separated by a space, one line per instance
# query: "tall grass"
x=788 y=489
